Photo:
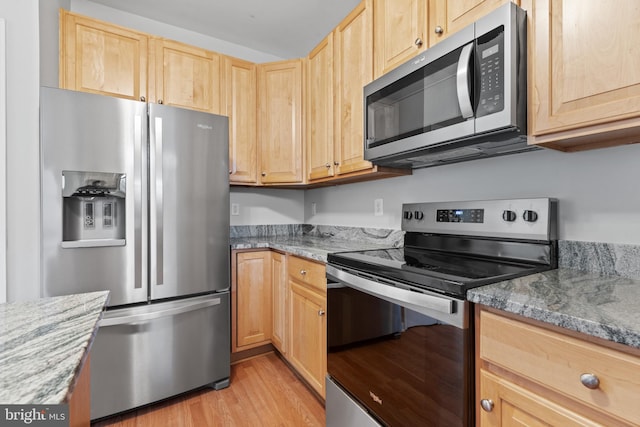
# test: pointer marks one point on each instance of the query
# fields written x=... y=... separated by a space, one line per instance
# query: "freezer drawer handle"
x=123 y=320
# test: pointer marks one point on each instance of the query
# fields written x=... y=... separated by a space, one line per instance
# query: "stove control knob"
x=530 y=216
x=509 y=216
x=408 y=215
x=418 y=215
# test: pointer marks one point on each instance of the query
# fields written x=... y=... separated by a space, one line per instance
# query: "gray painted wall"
x=598 y=191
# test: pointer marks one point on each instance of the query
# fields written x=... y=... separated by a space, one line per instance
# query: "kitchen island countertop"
x=44 y=344
x=603 y=306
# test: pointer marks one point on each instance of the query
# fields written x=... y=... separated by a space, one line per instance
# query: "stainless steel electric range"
x=399 y=330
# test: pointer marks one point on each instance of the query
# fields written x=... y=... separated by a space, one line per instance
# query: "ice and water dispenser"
x=93 y=209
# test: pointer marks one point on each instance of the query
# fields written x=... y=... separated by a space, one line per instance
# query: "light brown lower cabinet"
x=308 y=321
x=80 y=399
x=251 y=300
x=280 y=299
x=529 y=374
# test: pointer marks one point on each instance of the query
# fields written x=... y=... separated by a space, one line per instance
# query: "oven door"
x=402 y=357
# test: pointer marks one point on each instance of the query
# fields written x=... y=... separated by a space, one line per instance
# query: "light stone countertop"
x=312 y=247
x=44 y=344
x=604 y=306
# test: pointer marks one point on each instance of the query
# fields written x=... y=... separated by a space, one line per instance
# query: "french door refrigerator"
x=135 y=200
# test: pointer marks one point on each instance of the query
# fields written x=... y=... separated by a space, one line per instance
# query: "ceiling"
x=284 y=28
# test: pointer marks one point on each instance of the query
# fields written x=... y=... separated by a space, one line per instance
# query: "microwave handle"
x=462 y=82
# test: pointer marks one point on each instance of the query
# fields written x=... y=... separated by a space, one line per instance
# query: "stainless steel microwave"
x=462 y=99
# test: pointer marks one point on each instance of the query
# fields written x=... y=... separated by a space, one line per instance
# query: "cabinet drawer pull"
x=438 y=30
x=590 y=381
x=487 y=404
x=303 y=272
x=328 y=165
x=263 y=174
x=418 y=42
x=320 y=312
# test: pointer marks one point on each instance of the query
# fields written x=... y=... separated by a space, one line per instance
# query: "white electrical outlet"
x=235 y=209
x=377 y=207
x=314 y=208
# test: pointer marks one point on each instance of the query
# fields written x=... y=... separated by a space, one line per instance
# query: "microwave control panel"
x=491 y=67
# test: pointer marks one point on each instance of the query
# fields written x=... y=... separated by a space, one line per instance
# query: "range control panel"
x=460 y=215
x=532 y=219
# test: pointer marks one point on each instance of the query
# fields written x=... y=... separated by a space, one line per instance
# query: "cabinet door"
x=253 y=299
x=280 y=122
x=583 y=76
x=101 y=58
x=400 y=27
x=308 y=333
x=512 y=405
x=353 y=70
x=279 y=297
x=448 y=16
x=185 y=76
x=319 y=112
x=241 y=94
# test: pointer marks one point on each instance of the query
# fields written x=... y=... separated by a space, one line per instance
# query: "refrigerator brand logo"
x=375 y=398
x=207 y=127
x=34 y=414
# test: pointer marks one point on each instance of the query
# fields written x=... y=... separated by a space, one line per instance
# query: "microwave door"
x=432 y=105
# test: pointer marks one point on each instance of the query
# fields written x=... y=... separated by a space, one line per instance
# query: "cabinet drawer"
x=309 y=272
x=558 y=361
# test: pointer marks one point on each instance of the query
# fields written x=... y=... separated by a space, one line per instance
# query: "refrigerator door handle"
x=140 y=211
x=134 y=318
x=156 y=197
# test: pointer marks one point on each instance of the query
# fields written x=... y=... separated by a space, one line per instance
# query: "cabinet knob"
x=303 y=272
x=143 y=99
x=159 y=101
x=328 y=165
x=320 y=312
x=590 y=381
x=487 y=404
x=263 y=174
x=418 y=42
x=336 y=163
x=438 y=30
x=230 y=172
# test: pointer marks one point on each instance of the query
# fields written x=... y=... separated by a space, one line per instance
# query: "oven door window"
x=404 y=367
x=420 y=102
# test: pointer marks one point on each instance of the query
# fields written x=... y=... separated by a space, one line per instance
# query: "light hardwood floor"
x=263 y=392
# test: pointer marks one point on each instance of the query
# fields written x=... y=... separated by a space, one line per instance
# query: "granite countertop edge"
x=315 y=248
x=44 y=346
x=594 y=304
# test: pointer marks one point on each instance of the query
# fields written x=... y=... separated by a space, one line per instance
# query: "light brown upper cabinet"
x=400 y=30
x=584 y=66
x=102 y=58
x=319 y=111
x=241 y=96
x=353 y=42
x=184 y=76
x=448 y=16
x=280 y=122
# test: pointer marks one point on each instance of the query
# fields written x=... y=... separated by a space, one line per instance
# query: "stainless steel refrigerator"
x=135 y=200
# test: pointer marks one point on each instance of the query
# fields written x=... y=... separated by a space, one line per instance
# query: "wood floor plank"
x=263 y=392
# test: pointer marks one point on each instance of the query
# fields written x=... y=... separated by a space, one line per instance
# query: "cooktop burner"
x=432 y=270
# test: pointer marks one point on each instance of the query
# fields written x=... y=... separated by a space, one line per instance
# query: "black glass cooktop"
x=432 y=270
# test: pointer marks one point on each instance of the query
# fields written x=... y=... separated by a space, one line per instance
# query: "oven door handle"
x=391 y=293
